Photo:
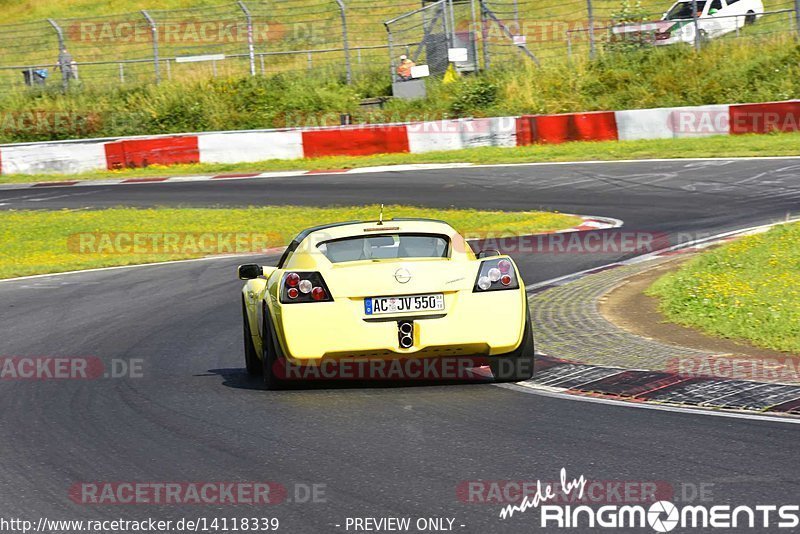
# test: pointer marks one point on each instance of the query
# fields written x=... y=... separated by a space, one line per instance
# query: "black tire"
x=518 y=365
x=251 y=361
x=270 y=358
x=750 y=18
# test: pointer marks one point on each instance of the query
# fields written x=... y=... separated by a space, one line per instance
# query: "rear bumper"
x=472 y=324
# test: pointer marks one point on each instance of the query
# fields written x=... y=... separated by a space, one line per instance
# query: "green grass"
x=38 y=9
x=786 y=144
x=35 y=242
x=747 y=290
x=41 y=9
x=724 y=72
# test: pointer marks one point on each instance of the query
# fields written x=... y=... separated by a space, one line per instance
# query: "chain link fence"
x=428 y=35
x=345 y=39
x=240 y=38
x=698 y=30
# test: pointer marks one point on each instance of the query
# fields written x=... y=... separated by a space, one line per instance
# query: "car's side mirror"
x=249 y=271
x=488 y=253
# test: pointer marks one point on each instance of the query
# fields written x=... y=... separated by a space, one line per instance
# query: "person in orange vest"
x=404 y=69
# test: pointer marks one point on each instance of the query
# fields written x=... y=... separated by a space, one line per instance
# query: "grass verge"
x=36 y=242
x=778 y=144
x=748 y=290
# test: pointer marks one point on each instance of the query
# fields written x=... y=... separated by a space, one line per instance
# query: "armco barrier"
x=644 y=124
x=493 y=131
x=461 y=133
x=355 y=141
x=43 y=158
x=524 y=130
x=667 y=123
x=240 y=147
x=434 y=136
x=765 y=118
x=131 y=153
x=72 y=157
x=551 y=129
x=597 y=126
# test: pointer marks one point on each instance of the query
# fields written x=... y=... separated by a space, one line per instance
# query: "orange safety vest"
x=404 y=69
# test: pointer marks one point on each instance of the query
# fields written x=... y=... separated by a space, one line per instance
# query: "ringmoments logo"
x=660 y=516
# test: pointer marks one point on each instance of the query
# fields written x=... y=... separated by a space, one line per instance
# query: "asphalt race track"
x=194 y=415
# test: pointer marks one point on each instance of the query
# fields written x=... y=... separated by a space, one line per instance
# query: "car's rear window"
x=385 y=247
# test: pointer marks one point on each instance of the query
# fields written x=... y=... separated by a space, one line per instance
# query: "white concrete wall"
x=668 y=123
x=461 y=133
x=239 y=147
x=68 y=158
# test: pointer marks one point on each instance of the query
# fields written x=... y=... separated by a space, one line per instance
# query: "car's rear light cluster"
x=297 y=287
x=496 y=274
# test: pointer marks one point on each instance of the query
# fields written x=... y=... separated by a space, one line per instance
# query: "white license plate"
x=406 y=303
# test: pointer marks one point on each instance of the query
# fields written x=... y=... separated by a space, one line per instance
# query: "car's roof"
x=354 y=228
x=306 y=242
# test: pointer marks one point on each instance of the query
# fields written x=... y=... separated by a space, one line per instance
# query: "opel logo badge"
x=402 y=275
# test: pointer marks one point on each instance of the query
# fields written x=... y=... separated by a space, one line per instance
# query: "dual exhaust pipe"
x=405 y=334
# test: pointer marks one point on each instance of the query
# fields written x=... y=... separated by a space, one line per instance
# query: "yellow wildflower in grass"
x=35 y=242
x=748 y=289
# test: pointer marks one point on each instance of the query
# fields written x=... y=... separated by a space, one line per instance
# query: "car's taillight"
x=496 y=274
x=298 y=287
x=319 y=294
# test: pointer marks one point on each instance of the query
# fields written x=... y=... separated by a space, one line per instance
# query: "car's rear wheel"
x=251 y=361
x=750 y=18
x=270 y=360
x=518 y=365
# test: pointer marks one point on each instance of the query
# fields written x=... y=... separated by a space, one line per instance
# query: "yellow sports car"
x=393 y=290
